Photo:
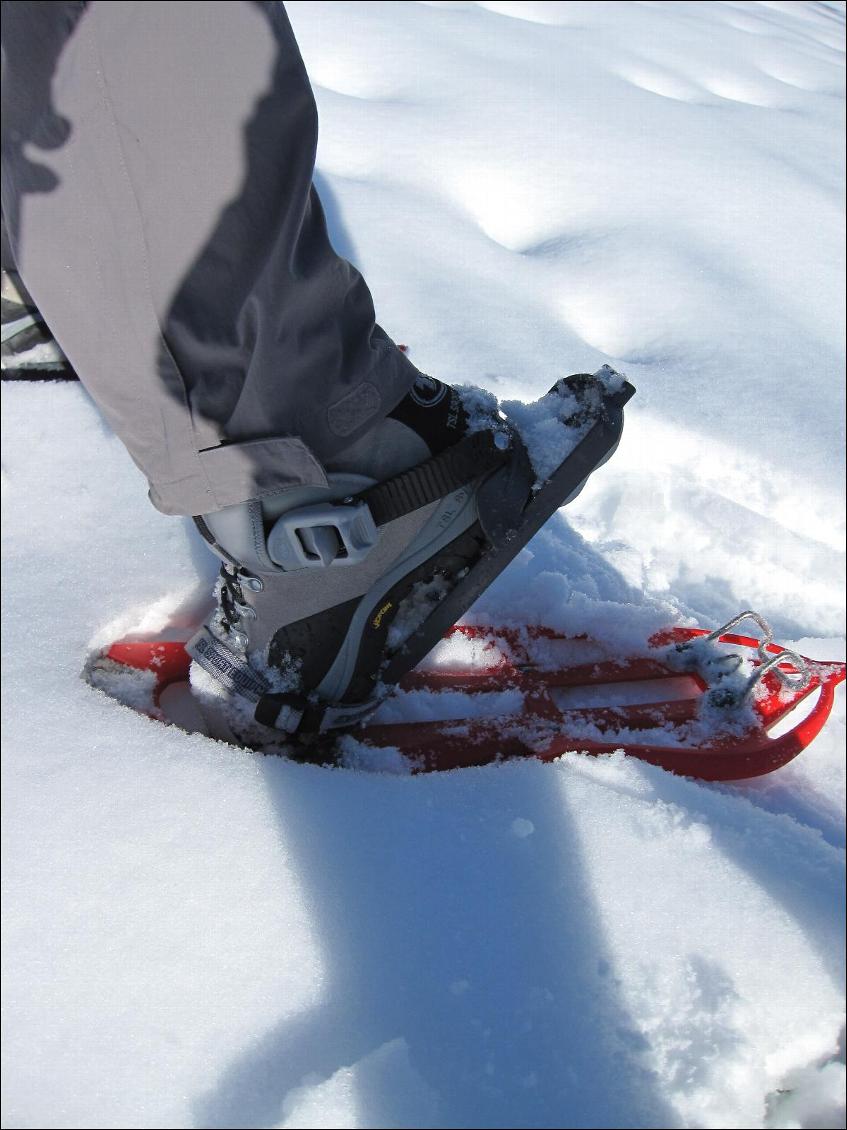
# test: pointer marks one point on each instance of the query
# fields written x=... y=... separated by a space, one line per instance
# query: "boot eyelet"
x=255 y=584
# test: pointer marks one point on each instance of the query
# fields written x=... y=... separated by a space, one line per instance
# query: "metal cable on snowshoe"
x=770 y=660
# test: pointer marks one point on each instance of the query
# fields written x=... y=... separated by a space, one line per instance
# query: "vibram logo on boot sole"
x=377 y=620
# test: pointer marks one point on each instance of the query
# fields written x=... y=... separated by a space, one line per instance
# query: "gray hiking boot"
x=329 y=595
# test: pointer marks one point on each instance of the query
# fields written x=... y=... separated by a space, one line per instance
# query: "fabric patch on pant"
x=426 y=392
x=354 y=409
x=236 y=472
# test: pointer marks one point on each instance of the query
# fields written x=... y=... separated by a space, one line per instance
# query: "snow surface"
x=200 y=937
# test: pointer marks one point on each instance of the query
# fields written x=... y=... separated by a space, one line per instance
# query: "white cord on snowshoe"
x=770 y=661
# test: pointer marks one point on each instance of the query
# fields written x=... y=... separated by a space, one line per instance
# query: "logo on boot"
x=427 y=391
x=377 y=620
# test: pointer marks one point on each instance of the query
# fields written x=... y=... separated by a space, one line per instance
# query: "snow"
x=553 y=425
x=415 y=609
x=45 y=355
x=200 y=936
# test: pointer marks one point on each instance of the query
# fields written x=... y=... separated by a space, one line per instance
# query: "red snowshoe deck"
x=673 y=706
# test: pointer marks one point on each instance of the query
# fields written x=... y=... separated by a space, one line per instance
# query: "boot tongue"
x=434 y=411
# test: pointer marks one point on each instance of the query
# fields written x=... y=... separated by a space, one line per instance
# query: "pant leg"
x=157 y=187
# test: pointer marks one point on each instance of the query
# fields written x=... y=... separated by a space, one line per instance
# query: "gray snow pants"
x=157 y=163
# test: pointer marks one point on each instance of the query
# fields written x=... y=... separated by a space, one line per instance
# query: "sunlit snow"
x=200 y=937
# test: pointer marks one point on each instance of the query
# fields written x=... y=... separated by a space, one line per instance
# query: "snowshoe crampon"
x=713 y=705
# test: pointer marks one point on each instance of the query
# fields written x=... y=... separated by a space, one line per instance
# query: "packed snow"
x=197 y=936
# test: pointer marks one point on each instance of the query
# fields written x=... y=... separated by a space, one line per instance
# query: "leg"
x=168 y=230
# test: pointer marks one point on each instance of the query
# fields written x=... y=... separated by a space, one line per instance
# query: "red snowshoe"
x=712 y=705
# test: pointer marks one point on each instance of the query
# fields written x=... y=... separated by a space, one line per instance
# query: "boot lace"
x=234 y=610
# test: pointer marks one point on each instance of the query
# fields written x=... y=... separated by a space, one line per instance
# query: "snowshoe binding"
x=329 y=596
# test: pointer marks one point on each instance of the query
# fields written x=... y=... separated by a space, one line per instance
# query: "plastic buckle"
x=325 y=534
x=281 y=711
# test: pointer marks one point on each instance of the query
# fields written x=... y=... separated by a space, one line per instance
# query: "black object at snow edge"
x=33 y=375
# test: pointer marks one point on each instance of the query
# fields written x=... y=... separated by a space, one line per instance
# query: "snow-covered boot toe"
x=329 y=595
